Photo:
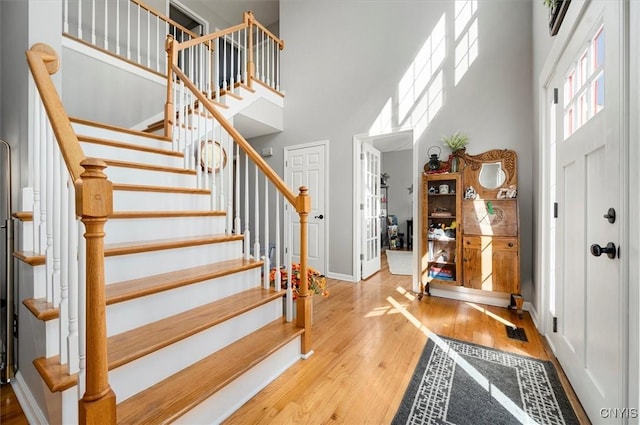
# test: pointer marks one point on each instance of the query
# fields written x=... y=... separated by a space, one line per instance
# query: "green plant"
x=456 y=141
x=550 y=3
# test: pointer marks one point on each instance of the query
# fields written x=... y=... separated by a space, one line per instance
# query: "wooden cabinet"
x=440 y=233
x=470 y=236
x=491 y=263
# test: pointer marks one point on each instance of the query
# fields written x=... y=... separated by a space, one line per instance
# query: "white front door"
x=589 y=306
x=370 y=218
x=305 y=165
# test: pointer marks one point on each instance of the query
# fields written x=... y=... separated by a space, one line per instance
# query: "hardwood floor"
x=10 y=411
x=367 y=339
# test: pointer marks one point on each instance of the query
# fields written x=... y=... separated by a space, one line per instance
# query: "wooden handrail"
x=164 y=18
x=37 y=57
x=249 y=19
x=241 y=141
x=208 y=37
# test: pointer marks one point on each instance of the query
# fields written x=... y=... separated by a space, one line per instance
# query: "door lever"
x=319 y=216
x=610 y=250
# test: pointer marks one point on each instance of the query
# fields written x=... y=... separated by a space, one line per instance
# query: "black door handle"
x=610 y=250
x=319 y=216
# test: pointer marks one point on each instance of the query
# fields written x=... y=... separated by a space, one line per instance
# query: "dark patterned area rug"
x=460 y=383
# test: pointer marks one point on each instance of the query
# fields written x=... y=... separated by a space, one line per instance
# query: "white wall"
x=343 y=61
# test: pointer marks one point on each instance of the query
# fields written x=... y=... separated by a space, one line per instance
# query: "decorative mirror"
x=213 y=156
x=491 y=175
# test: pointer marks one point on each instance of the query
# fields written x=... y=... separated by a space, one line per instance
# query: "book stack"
x=439 y=272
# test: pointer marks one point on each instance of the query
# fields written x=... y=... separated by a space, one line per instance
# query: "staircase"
x=182 y=325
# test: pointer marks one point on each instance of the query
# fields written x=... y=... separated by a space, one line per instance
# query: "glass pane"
x=598 y=48
x=598 y=93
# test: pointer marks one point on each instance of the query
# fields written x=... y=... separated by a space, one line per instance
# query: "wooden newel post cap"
x=94 y=193
x=303 y=201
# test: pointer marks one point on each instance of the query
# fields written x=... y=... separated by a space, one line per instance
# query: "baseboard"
x=497 y=301
x=28 y=404
x=534 y=315
x=340 y=276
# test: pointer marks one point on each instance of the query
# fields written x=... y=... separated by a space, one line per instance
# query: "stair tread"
x=204 y=378
x=135 y=288
x=30 y=257
x=131 y=146
x=119 y=129
x=161 y=214
x=123 y=248
x=136 y=343
x=41 y=308
x=150 y=167
x=148 y=188
x=54 y=374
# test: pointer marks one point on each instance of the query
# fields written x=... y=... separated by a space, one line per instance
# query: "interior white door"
x=370 y=217
x=305 y=165
x=591 y=327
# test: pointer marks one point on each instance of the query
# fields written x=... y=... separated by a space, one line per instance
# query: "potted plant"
x=456 y=142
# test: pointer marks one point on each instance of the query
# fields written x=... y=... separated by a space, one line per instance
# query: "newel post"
x=94 y=204
x=169 y=110
x=303 y=305
x=251 y=66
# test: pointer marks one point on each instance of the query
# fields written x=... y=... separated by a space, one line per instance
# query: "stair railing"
x=128 y=29
x=196 y=96
x=80 y=183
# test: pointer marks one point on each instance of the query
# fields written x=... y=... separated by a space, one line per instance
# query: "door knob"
x=610 y=250
x=611 y=215
x=319 y=216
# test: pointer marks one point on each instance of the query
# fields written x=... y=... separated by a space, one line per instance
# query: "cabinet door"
x=491 y=264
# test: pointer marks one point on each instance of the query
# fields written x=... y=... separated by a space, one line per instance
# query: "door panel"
x=370 y=219
x=306 y=167
x=591 y=315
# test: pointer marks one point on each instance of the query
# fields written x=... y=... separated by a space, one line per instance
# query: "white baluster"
x=217 y=68
x=238 y=54
x=65 y=26
x=56 y=221
x=82 y=308
x=93 y=22
x=73 y=264
x=210 y=62
x=106 y=25
x=236 y=209
x=118 y=27
x=159 y=50
x=232 y=66
x=48 y=162
x=288 y=259
x=35 y=168
x=138 y=48
x=80 y=19
x=247 y=236
x=128 y=30
x=267 y=262
x=63 y=310
x=224 y=65
x=277 y=250
x=256 y=218
x=269 y=52
x=262 y=55
x=148 y=40
x=278 y=68
x=223 y=137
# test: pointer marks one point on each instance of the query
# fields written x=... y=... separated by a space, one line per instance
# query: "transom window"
x=584 y=85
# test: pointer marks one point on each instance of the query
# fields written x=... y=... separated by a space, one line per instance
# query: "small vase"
x=454 y=164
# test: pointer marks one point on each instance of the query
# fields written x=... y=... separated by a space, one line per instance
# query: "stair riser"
x=131 y=314
x=133 y=200
x=146 y=177
x=222 y=404
x=94 y=150
x=107 y=134
x=143 y=229
x=138 y=375
x=132 y=266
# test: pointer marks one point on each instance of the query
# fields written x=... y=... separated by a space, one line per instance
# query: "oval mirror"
x=492 y=175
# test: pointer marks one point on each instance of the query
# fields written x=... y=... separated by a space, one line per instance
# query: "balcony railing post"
x=94 y=204
x=251 y=66
x=169 y=110
x=303 y=305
